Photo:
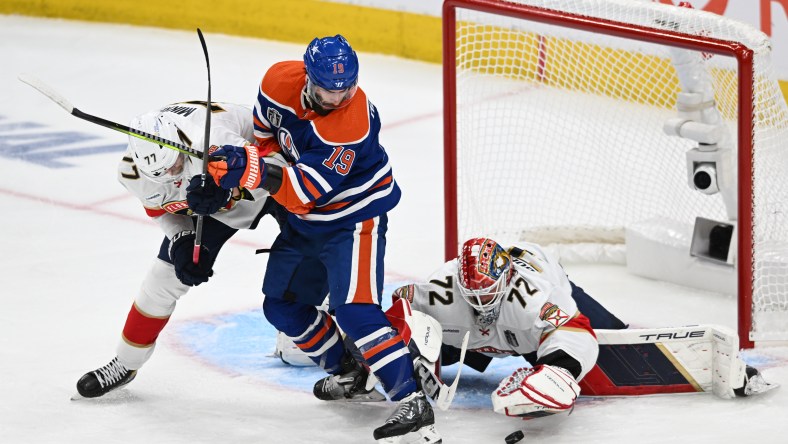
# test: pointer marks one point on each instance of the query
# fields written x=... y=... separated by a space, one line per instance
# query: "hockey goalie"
x=518 y=301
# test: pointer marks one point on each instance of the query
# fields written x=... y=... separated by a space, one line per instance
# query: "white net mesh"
x=559 y=133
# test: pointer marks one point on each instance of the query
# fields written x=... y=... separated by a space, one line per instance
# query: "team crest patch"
x=177 y=207
x=552 y=314
x=274 y=117
x=405 y=292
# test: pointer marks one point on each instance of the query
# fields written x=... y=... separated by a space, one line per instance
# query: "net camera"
x=704 y=177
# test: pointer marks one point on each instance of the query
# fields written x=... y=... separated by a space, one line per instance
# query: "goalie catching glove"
x=535 y=392
x=241 y=167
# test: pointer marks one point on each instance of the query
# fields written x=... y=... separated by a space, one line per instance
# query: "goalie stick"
x=446 y=395
x=206 y=145
x=433 y=386
x=53 y=95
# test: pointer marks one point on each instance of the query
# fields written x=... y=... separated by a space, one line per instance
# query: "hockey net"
x=554 y=134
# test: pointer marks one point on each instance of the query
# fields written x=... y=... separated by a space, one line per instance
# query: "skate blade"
x=373 y=396
x=761 y=388
x=77 y=397
x=424 y=435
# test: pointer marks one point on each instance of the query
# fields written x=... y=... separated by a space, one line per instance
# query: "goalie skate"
x=754 y=384
x=103 y=380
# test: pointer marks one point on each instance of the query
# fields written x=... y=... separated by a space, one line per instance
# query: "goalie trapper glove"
x=181 y=251
x=208 y=199
x=535 y=392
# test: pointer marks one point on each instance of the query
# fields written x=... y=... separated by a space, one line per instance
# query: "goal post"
x=594 y=122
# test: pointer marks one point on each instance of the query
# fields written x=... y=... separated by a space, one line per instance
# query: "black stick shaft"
x=207 y=144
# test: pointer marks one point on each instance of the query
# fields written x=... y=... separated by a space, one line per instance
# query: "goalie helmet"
x=485 y=272
x=332 y=72
x=157 y=162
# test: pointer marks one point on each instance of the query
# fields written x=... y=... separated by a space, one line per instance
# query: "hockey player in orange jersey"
x=338 y=189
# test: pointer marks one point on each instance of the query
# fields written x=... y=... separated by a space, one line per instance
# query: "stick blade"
x=445 y=397
x=46 y=90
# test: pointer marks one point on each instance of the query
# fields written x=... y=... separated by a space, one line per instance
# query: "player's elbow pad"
x=273 y=178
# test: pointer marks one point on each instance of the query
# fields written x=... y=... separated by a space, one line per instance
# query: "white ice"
x=75 y=245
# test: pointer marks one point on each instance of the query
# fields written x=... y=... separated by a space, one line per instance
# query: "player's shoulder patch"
x=553 y=315
x=405 y=292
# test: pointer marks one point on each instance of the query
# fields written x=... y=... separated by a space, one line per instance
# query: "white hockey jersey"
x=230 y=125
x=537 y=315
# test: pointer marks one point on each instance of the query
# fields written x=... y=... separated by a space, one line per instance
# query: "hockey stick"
x=206 y=145
x=446 y=395
x=46 y=90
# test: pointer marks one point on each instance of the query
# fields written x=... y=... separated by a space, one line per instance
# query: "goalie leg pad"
x=535 y=392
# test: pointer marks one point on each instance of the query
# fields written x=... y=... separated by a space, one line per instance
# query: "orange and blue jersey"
x=340 y=174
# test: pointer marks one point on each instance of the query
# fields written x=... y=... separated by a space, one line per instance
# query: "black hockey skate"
x=754 y=384
x=103 y=380
x=412 y=422
x=350 y=385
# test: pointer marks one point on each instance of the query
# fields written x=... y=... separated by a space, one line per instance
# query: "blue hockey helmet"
x=332 y=70
x=331 y=63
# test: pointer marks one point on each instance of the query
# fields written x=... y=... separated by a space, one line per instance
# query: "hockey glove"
x=208 y=199
x=535 y=392
x=241 y=167
x=181 y=250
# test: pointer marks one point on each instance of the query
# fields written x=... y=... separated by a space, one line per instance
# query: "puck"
x=515 y=437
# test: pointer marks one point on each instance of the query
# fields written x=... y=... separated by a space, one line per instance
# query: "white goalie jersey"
x=231 y=124
x=537 y=314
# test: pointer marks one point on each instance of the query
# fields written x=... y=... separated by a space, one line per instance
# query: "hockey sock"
x=312 y=330
x=382 y=347
x=142 y=329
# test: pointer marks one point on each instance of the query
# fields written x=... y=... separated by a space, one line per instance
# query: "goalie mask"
x=157 y=162
x=485 y=272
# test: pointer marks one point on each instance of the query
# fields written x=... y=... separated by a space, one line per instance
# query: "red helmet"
x=485 y=272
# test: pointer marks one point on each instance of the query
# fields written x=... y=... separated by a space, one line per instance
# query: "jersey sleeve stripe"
x=260 y=126
x=154 y=212
x=316 y=176
x=291 y=182
x=381 y=173
x=348 y=209
x=334 y=206
x=310 y=187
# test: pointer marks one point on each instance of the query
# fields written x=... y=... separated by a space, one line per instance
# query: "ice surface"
x=75 y=246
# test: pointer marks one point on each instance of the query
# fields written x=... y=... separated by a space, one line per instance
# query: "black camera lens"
x=702 y=180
